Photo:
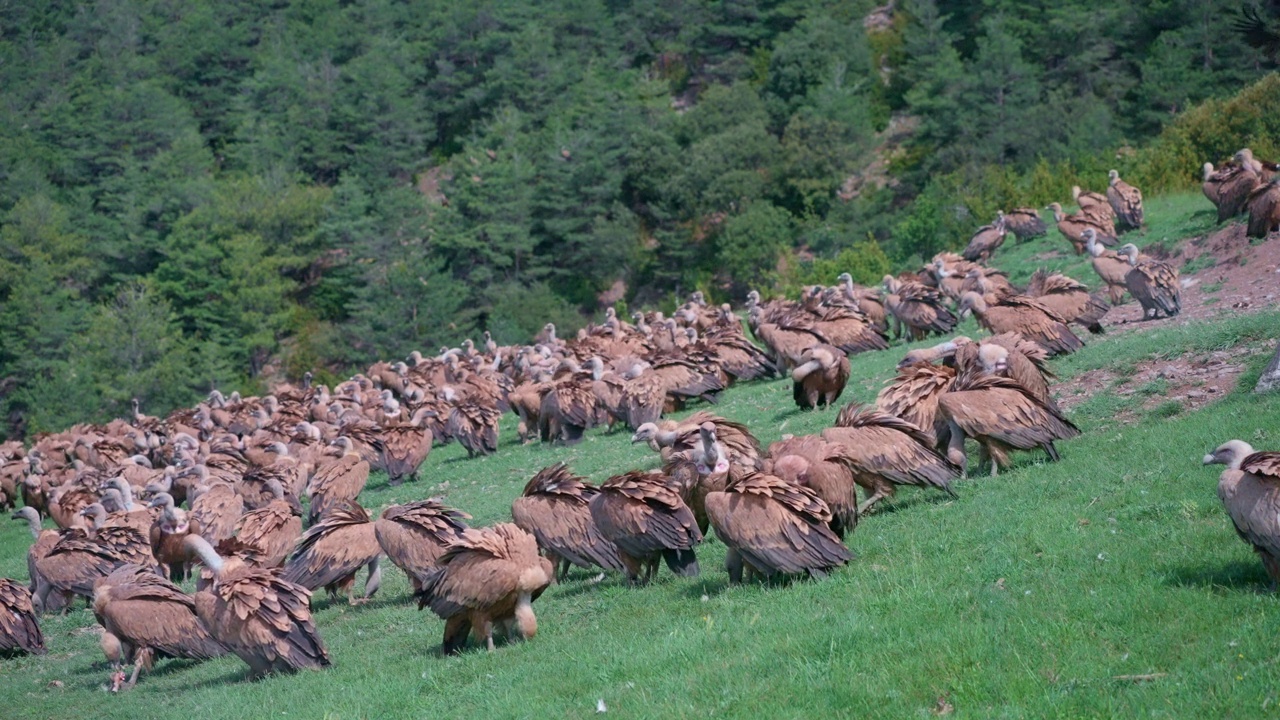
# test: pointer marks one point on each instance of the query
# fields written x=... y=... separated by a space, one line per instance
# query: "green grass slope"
x=1109 y=584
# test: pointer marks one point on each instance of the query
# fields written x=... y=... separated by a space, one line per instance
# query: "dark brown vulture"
x=918 y=307
x=885 y=451
x=337 y=481
x=555 y=507
x=1250 y=491
x=737 y=355
x=1008 y=355
x=273 y=529
x=985 y=242
x=473 y=421
x=1072 y=228
x=1069 y=299
x=774 y=527
x=820 y=377
x=913 y=396
x=415 y=534
x=78 y=560
x=1264 y=209
x=264 y=620
x=1025 y=223
x=1000 y=415
x=331 y=552
x=167 y=533
x=1126 y=201
x=825 y=468
x=405 y=446
x=645 y=517
x=568 y=407
x=19 y=629
x=1112 y=267
x=488 y=576
x=1025 y=316
x=1229 y=187
x=1093 y=205
x=1154 y=284
x=150 y=617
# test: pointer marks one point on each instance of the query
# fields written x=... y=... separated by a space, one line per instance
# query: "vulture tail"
x=682 y=562
x=1052 y=451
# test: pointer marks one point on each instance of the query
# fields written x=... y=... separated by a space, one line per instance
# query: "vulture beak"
x=1209 y=459
x=636 y=438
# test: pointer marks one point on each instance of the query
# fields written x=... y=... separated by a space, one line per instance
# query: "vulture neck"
x=33 y=521
x=205 y=551
x=665 y=438
x=526 y=622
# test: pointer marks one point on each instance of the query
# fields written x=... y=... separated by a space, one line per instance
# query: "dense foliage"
x=220 y=193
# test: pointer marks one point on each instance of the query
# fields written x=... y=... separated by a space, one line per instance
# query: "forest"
x=200 y=195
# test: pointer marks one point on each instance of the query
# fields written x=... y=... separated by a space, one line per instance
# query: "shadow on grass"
x=1236 y=576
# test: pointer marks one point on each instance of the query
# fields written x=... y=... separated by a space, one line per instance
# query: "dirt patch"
x=1193 y=381
x=1222 y=274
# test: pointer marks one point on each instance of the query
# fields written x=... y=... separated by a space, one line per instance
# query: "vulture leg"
x=955 y=448
x=371 y=583
x=456 y=631
x=1051 y=451
x=144 y=656
x=733 y=565
x=1273 y=568
x=484 y=626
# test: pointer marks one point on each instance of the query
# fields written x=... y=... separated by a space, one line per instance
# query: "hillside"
x=231 y=194
x=1108 y=584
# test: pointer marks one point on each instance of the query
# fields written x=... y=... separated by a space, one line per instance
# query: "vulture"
x=167 y=533
x=1109 y=265
x=1126 y=201
x=486 y=576
x=918 y=307
x=338 y=481
x=1264 y=209
x=78 y=560
x=1069 y=299
x=1072 y=228
x=884 y=451
x=149 y=617
x=263 y=619
x=1024 y=223
x=1229 y=187
x=1008 y=355
x=1250 y=491
x=1153 y=283
x=331 y=552
x=415 y=534
x=985 y=242
x=913 y=396
x=42 y=542
x=823 y=467
x=273 y=529
x=19 y=630
x=405 y=446
x=820 y=377
x=555 y=509
x=216 y=507
x=1263 y=169
x=645 y=517
x=1092 y=204
x=774 y=527
x=568 y=407
x=473 y=422
x=1001 y=415
x=1025 y=316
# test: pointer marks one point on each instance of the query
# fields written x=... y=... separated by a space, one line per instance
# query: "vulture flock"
x=256 y=501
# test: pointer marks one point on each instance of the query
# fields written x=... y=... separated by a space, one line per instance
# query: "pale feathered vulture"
x=1250 y=491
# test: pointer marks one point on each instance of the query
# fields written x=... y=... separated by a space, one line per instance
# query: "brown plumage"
x=264 y=620
x=338 y=481
x=918 y=307
x=1000 y=415
x=885 y=451
x=273 y=529
x=1264 y=209
x=1229 y=187
x=1125 y=201
x=1154 y=284
x=568 y=407
x=824 y=468
x=1008 y=355
x=555 y=508
x=985 y=242
x=487 y=576
x=1112 y=267
x=19 y=629
x=1072 y=228
x=331 y=552
x=167 y=533
x=1250 y=491
x=1093 y=205
x=1027 y=317
x=415 y=534
x=645 y=517
x=820 y=377
x=216 y=510
x=78 y=560
x=150 y=617
x=913 y=396
x=473 y=422
x=405 y=446
x=1069 y=299
x=42 y=542
x=1025 y=223
x=774 y=527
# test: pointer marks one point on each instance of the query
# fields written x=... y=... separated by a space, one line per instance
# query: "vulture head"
x=993 y=358
x=95 y=513
x=844 y=279
x=1244 y=158
x=713 y=460
x=1113 y=177
x=812 y=359
x=141 y=461
x=645 y=433
x=698 y=298
x=972 y=302
x=753 y=298
x=31 y=515
x=551 y=331
x=692 y=334
x=1091 y=241
x=1057 y=207
x=1131 y=251
x=792 y=468
x=1208 y=170
x=1230 y=453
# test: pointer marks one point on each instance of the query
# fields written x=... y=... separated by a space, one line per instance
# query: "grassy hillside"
x=1108 y=584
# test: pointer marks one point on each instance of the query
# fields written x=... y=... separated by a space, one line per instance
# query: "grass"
x=1109 y=584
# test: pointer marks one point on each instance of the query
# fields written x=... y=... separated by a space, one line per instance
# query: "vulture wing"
x=19 y=630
